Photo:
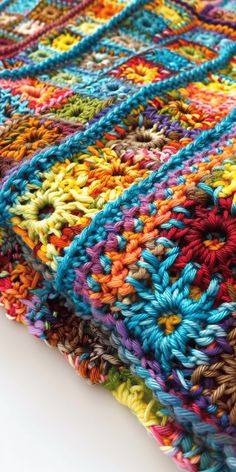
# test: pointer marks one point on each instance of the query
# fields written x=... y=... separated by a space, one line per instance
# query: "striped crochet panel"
x=118 y=229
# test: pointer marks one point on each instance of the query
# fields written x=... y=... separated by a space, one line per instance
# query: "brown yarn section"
x=223 y=373
x=75 y=337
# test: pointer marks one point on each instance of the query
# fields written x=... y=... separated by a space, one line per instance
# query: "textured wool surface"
x=118 y=207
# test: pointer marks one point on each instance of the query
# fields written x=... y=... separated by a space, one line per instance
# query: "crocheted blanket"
x=117 y=203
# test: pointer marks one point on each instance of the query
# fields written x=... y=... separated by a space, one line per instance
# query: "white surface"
x=53 y=421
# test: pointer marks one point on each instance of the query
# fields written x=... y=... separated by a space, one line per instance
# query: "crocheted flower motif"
x=110 y=87
x=206 y=234
x=205 y=37
x=82 y=189
x=81 y=108
x=28 y=135
x=172 y=325
x=133 y=44
x=65 y=78
x=140 y=71
x=87 y=27
x=39 y=95
x=175 y=16
x=217 y=96
x=159 y=132
x=160 y=313
x=46 y=13
x=198 y=106
x=40 y=55
x=143 y=24
x=29 y=27
x=192 y=51
x=103 y=10
x=188 y=115
x=63 y=42
x=150 y=159
x=141 y=138
x=101 y=58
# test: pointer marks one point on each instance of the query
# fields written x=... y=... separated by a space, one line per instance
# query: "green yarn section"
x=81 y=108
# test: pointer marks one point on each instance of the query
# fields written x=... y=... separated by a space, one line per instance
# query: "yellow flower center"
x=169 y=322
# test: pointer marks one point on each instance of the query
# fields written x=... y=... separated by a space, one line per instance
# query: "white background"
x=53 y=421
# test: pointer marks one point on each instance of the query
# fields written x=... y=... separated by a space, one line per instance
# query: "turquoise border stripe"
x=4 y=4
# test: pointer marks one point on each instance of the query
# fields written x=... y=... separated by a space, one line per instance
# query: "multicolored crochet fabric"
x=118 y=206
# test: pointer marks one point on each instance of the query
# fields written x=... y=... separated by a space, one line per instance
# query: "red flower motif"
x=206 y=235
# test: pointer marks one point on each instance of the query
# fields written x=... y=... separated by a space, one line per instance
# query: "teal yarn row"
x=4 y=4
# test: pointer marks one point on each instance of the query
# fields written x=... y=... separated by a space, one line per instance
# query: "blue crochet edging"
x=4 y=4
x=41 y=162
